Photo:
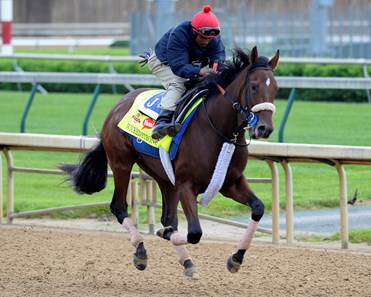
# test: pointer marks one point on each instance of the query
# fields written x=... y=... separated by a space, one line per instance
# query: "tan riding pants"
x=173 y=84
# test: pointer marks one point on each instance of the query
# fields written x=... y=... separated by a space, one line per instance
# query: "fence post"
x=344 y=237
x=150 y=206
x=134 y=203
x=275 y=202
x=28 y=106
x=290 y=102
x=289 y=202
x=129 y=194
x=366 y=75
x=10 y=186
x=90 y=110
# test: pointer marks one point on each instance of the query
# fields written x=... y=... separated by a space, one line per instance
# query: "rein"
x=251 y=117
x=233 y=140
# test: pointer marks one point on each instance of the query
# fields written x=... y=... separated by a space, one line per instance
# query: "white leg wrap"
x=135 y=237
x=178 y=239
x=182 y=253
x=245 y=241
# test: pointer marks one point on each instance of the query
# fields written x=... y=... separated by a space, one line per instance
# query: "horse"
x=245 y=86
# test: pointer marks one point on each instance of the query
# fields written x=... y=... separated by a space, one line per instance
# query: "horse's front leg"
x=241 y=192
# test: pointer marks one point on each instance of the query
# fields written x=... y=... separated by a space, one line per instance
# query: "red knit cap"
x=205 y=19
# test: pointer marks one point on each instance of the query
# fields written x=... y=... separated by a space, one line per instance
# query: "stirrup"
x=169 y=129
x=158 y=134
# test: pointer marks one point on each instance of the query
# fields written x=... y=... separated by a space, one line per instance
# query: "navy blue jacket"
x=178 y=49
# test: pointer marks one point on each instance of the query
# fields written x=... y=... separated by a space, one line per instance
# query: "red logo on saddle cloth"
x=136 y=117
x=148 y=123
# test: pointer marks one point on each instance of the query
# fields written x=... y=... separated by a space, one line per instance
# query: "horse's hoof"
x=191 y=273
x=140 y=257
x=232 y=265
x=166 y=232
x=139 y=263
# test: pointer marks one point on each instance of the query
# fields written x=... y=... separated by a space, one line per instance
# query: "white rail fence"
x=271 y=153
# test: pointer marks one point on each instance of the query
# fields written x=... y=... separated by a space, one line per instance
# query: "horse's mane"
x=229 y=70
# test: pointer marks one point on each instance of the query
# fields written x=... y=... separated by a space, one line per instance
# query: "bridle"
x=251 y=119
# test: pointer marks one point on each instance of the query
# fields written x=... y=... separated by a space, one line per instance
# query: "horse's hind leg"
x=169 y=219
x=121 y=168
x=189 y=204
x=140 y=255
x=241 y=192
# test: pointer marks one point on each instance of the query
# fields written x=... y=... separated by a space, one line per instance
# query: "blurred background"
x=311 y=28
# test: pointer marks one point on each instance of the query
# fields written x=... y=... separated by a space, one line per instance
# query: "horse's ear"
x=274 y=61
x=254 y=55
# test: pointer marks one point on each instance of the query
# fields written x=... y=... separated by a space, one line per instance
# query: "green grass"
x=53 y=114
x=355 y=236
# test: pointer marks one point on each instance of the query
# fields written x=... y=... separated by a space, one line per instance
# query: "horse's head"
x=247 y=81
x=259 y=91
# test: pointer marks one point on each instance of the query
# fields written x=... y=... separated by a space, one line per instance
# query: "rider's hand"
x=204 y=72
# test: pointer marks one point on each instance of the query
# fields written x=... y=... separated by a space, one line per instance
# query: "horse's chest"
x=237 y=165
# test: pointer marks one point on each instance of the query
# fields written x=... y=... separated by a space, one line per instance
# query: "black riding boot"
x=164 y=125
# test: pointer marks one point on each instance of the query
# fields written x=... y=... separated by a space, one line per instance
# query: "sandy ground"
x=66 y=259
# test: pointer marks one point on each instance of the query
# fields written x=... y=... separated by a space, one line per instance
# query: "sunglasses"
x=208 y=32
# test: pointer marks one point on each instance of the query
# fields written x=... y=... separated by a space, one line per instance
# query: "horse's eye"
x=254 y=88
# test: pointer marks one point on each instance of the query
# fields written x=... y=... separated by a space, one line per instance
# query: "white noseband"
x=264 y=106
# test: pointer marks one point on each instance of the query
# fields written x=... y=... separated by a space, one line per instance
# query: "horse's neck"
x=236 y=87
x=224 y=108
x=222 y=114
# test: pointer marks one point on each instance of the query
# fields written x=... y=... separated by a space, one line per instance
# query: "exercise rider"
x=181 y=54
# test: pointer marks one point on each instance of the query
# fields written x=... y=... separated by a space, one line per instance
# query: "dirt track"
x=39 y=261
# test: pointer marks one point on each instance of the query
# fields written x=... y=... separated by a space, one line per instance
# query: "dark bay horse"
x=244 y=85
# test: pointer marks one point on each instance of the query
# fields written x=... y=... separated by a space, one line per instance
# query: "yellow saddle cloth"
x=140 y=125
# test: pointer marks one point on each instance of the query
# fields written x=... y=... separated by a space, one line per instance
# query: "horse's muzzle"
x=261 y=131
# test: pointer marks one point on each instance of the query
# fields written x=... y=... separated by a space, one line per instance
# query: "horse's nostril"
x=264 y=131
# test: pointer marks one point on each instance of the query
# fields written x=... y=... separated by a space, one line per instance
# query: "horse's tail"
x=90 y=175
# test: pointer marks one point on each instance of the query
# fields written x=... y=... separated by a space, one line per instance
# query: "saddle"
x=150 y=107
